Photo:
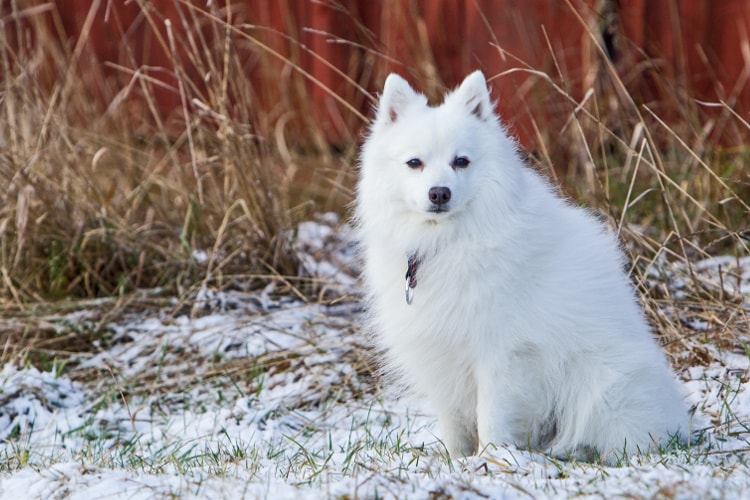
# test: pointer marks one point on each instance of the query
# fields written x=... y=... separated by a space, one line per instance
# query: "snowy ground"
x=261 y=395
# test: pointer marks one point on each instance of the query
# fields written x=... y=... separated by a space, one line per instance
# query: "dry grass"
x=103 y=201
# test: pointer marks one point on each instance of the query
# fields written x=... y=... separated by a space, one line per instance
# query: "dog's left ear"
x=475 y=96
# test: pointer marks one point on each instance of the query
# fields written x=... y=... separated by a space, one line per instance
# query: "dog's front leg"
x=459 y=433
x=493 y=407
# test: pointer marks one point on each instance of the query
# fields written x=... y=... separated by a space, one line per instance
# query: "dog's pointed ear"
x=475 y=96
x=396 y=96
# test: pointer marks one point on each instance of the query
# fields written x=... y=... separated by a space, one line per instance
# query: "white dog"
x=505 y=305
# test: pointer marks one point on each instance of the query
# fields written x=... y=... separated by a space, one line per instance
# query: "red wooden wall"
x=698 y=47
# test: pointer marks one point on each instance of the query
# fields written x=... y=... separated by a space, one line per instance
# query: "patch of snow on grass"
x=255 y=395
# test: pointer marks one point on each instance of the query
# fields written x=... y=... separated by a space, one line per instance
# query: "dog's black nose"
x=439 y=195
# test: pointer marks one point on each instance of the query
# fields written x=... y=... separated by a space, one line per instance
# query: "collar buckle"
x=411 y=276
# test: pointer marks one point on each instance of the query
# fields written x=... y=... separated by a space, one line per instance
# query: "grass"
x=113 y=209
x=106 y=201
x=128 y=402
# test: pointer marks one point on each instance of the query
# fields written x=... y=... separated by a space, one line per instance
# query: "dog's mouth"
x=437 y=214
x=438 y=209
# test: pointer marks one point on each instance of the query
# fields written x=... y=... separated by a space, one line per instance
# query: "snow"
x=260 y=395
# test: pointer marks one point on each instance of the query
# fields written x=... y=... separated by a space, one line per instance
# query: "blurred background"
x=137 y=137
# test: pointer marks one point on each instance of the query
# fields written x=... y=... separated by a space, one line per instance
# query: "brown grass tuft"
x=105 y=200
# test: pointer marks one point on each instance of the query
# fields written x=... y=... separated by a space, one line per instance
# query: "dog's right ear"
x=396 y=97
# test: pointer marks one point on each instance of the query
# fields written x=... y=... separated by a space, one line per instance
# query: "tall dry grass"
x=105 y=199
x=106 y=195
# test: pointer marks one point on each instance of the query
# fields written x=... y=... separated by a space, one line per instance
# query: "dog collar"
x=412 y=264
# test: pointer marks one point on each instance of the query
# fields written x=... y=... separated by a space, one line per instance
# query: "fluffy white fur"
x=524 y=328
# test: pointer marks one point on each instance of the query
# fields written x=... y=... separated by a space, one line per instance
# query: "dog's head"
x=431 y=161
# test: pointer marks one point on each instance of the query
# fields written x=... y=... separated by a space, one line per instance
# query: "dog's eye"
x=460 y=162
x=415 y=163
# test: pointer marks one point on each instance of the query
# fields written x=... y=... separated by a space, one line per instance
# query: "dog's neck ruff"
x=412 y=264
